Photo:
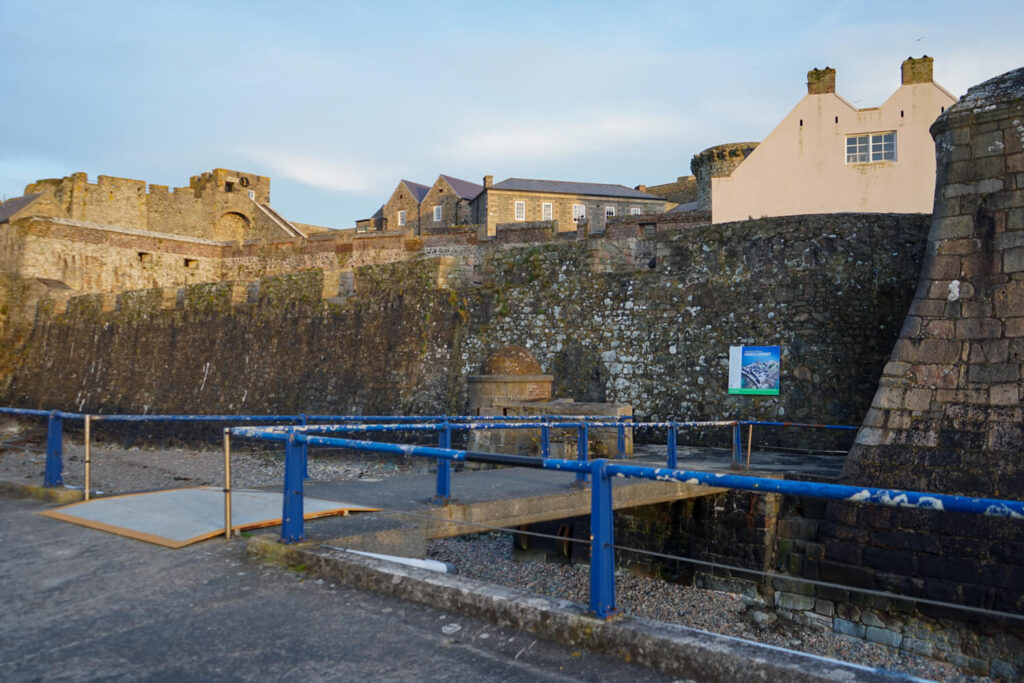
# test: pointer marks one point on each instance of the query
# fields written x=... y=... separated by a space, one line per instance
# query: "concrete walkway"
x=84 y=605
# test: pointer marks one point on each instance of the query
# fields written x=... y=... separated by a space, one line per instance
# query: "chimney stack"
x=917 y=70
x=640 y=188
x=488 y=181
x=821 y=81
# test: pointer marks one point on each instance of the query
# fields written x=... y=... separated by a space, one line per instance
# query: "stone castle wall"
x=214 y=206
x=640 y=321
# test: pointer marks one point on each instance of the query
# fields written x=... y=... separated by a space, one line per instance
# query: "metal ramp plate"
x=180 y=517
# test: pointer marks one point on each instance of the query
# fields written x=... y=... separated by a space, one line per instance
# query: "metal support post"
x=545 y=439
x=602 y=544
x=620 y=444
x=443 y=490
x=304 y=420
x=292 y=530
x=737 y=447
x=672 y=454
x=227 y=482
x=88 y=457
x=54 y=475
x=582 y=451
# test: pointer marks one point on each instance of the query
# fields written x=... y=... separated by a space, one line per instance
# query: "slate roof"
x=463 y=188
x=688 y=206
x=418 y=191
x=13 y=206
x=563 y=187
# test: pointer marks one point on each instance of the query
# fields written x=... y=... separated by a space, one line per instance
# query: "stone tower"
x=947 y=414
x=716 y=162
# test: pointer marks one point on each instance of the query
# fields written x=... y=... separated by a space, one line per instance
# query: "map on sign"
x=754 y=370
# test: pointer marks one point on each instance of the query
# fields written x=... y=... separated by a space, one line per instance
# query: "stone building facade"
x=402 y=210
x=829 y=156
x=448 y=203
x=565 y=204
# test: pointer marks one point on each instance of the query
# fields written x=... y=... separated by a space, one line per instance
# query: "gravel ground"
x=116 y=469
x=488 y=557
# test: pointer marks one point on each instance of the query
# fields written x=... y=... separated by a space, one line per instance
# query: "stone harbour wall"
x=646 y=322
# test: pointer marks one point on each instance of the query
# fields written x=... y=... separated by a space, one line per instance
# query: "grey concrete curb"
x=678 y=650
x=61 y=496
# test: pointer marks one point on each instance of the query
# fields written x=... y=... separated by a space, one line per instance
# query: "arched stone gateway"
x=231 y=227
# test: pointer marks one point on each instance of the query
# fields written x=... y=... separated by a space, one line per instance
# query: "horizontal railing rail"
x=446 y=425
x=602 y=472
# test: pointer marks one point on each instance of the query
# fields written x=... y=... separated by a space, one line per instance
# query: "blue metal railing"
x=602 y=560
x=445 y=425
x=298 y=438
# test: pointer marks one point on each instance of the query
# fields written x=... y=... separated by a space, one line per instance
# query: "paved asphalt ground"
x=80 y=604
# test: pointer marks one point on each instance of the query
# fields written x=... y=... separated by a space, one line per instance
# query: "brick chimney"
x=488 y=181
x=640 y=188
x=821 y=81
x=917 y=70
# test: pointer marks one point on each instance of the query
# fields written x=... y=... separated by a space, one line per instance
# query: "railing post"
x=545 y=438
x=582 y=450
x=292 y=530
x=737 y=447
x=303 y=420
x=602 y=544
x=620 y=444
x=672 y=454
x=443 y=490
x=54 y=474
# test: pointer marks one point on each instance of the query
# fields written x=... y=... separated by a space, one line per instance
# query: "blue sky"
x=337 y=101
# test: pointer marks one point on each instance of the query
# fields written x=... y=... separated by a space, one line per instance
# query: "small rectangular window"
x=547 y=212
x=609 y=211
x=868 y=147
x=520 y=211
x=579 y=212
x=437 y=214
x=634 y=211
x=229 y=187
x=145 y=257
x=401 y=218
x=252 y=194
x=191 y=263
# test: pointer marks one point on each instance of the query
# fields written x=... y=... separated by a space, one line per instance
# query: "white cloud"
x=550 y=139
x=326 y=174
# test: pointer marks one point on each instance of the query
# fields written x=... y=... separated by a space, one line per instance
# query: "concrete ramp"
x=180 y=517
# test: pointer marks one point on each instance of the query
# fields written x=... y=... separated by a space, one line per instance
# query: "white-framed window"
x=252 y=194
x=547 y=211
x=634 y=211
x=609 y=211
x=579 y=212
x=520 y=211
x=437 y=214
x=867 y=147
x=401 y=218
